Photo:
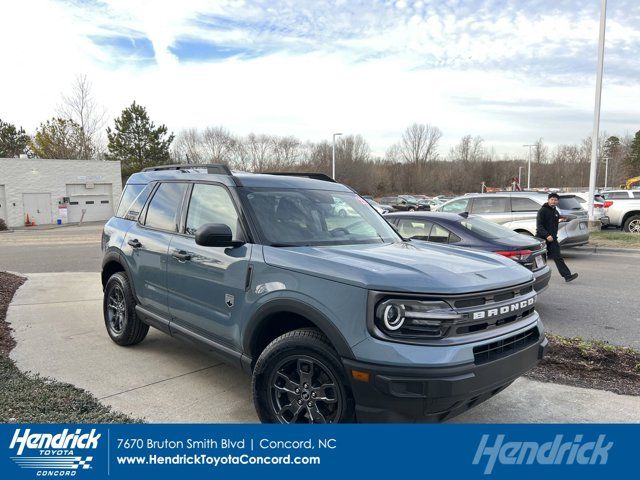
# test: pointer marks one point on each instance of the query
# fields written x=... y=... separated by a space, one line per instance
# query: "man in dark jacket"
x=547 y=228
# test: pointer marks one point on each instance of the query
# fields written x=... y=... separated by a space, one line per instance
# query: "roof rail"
x=313 y=175
x=214 y=168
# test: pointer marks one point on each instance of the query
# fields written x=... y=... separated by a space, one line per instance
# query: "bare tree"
x=419 y=143
x=187 y=146
x=540 y=152
x=81 y=107
x=218 y=144
x=287 y=151
x=469 y=149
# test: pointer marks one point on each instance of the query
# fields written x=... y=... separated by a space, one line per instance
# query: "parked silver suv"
x=518 y=211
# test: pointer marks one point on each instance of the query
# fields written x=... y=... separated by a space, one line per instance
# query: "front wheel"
x=299 y=378
x=632 y=225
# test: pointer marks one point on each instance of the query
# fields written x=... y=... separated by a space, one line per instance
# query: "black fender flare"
x=116 y=256
x=285 y=305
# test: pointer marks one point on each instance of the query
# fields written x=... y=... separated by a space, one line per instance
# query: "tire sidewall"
x=292 y=346
x=119 y=279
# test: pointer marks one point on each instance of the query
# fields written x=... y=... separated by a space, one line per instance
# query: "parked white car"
x=599 y=205
x=625 y=214
x=621 y=194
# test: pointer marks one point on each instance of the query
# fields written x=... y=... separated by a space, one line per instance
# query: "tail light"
x=518 y=255
x=598 y=205
x=607 y=203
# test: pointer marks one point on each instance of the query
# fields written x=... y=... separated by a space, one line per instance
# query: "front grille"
x=483 y=299
x=502 y=348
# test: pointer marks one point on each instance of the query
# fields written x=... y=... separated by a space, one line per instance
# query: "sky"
x=510 y=71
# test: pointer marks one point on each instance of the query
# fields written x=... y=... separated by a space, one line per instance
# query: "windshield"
x=297 y=217
x=487 y=229
x=409 y=198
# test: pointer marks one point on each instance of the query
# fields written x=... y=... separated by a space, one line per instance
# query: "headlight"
x=414 y=318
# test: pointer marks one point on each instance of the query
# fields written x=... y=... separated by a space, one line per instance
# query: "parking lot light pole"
x=529 y=167
x=596 y=110
x=520 y=178
x=333 y=168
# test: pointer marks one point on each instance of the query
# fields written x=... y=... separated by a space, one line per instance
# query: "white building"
x=52 y=191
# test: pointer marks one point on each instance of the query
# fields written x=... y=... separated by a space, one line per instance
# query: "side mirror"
x=216 y=235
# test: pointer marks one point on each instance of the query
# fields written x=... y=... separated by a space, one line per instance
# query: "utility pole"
x=596 y=110
x=333 y=163
x=520 y=177
x=529 y=168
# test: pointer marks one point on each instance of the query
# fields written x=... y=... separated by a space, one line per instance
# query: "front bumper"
x=434 y=394
x=542 y=277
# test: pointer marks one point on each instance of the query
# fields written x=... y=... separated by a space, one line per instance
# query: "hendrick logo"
x=556 y=452
x=54 y=454
x=510 y=308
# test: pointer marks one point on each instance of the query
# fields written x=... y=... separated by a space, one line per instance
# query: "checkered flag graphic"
x=85 y=464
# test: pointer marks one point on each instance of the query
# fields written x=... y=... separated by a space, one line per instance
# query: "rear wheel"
x=632 y=225
x=119 y=310
x=299 y=378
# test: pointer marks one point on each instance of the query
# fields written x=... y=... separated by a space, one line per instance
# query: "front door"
x=206 y=285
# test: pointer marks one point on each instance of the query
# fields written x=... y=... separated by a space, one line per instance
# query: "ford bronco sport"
x=337 y=318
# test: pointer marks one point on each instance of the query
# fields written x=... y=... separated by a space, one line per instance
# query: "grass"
x=608 y=238
x=29 y=398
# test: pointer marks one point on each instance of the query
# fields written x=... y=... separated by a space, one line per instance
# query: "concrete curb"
x=596 y=249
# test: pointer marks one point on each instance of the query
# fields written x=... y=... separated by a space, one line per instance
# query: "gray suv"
x=518 y=211
x=337 y=319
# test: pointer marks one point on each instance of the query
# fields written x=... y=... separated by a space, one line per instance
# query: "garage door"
x=96 y=201
x=38 y=207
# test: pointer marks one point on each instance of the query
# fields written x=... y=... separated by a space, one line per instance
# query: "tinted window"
x=618 y=195
x=211 y=204
x=163 y=209
x=636 y=194
x=136 y=207
x=418 y=229
x=439 y=234
x=569 y=203
x=456 y=206
x=521 y=204
x=129 y=194
x=489 y=205
x=486 y=229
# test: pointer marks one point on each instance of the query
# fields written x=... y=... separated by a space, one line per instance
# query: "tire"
x=280 y=393
x=119 y=311
x=632 y=224
x=411 y=209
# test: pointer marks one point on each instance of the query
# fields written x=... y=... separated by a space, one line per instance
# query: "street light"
x=333 y=169
x=529 y=168
x=520 y=178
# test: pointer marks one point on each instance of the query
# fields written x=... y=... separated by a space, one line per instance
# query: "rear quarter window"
x=129 y=194
x=569 y=203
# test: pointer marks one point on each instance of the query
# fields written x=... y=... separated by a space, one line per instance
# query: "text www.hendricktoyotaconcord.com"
x=201 y=459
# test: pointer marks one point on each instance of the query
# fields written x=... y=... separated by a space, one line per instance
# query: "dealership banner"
x=188 y=451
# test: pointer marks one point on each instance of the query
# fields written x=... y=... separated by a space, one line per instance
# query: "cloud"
x=508 y=70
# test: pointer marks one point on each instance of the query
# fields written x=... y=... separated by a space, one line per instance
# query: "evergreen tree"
x=58 y=138
x=13 y=141
x=137 y=142
x=633 y=159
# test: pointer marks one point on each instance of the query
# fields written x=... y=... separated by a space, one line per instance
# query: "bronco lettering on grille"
x=512 y=307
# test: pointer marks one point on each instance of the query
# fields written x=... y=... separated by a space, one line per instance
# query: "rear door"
x=524 y=211
x=207 y=284
x=147 y=243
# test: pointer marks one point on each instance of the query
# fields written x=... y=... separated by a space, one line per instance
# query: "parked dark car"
x=477 y=233
x=405 y=203
x=380 y=208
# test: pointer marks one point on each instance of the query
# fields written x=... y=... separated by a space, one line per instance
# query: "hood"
x=403 y=267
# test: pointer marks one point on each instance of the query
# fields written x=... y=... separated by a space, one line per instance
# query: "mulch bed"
x=590 y=364
x=28 y=398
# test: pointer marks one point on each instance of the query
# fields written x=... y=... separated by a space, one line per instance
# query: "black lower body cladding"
x=409 y=394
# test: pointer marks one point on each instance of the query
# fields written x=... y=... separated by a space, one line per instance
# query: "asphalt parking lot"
x=600 y=304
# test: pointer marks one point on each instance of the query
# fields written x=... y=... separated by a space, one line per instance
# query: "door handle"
x=134 y=243
x=181 y=255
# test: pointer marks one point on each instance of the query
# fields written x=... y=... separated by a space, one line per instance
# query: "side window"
x=453 y=238
x=456 y=206
x=138 y=204
x=439 y=234
x=210 y=204
x=617 y=195
x=636 y=194
x=522 y=204
x=414 y=229
x=163 y=209
x=129 y=194
x=489 y=205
